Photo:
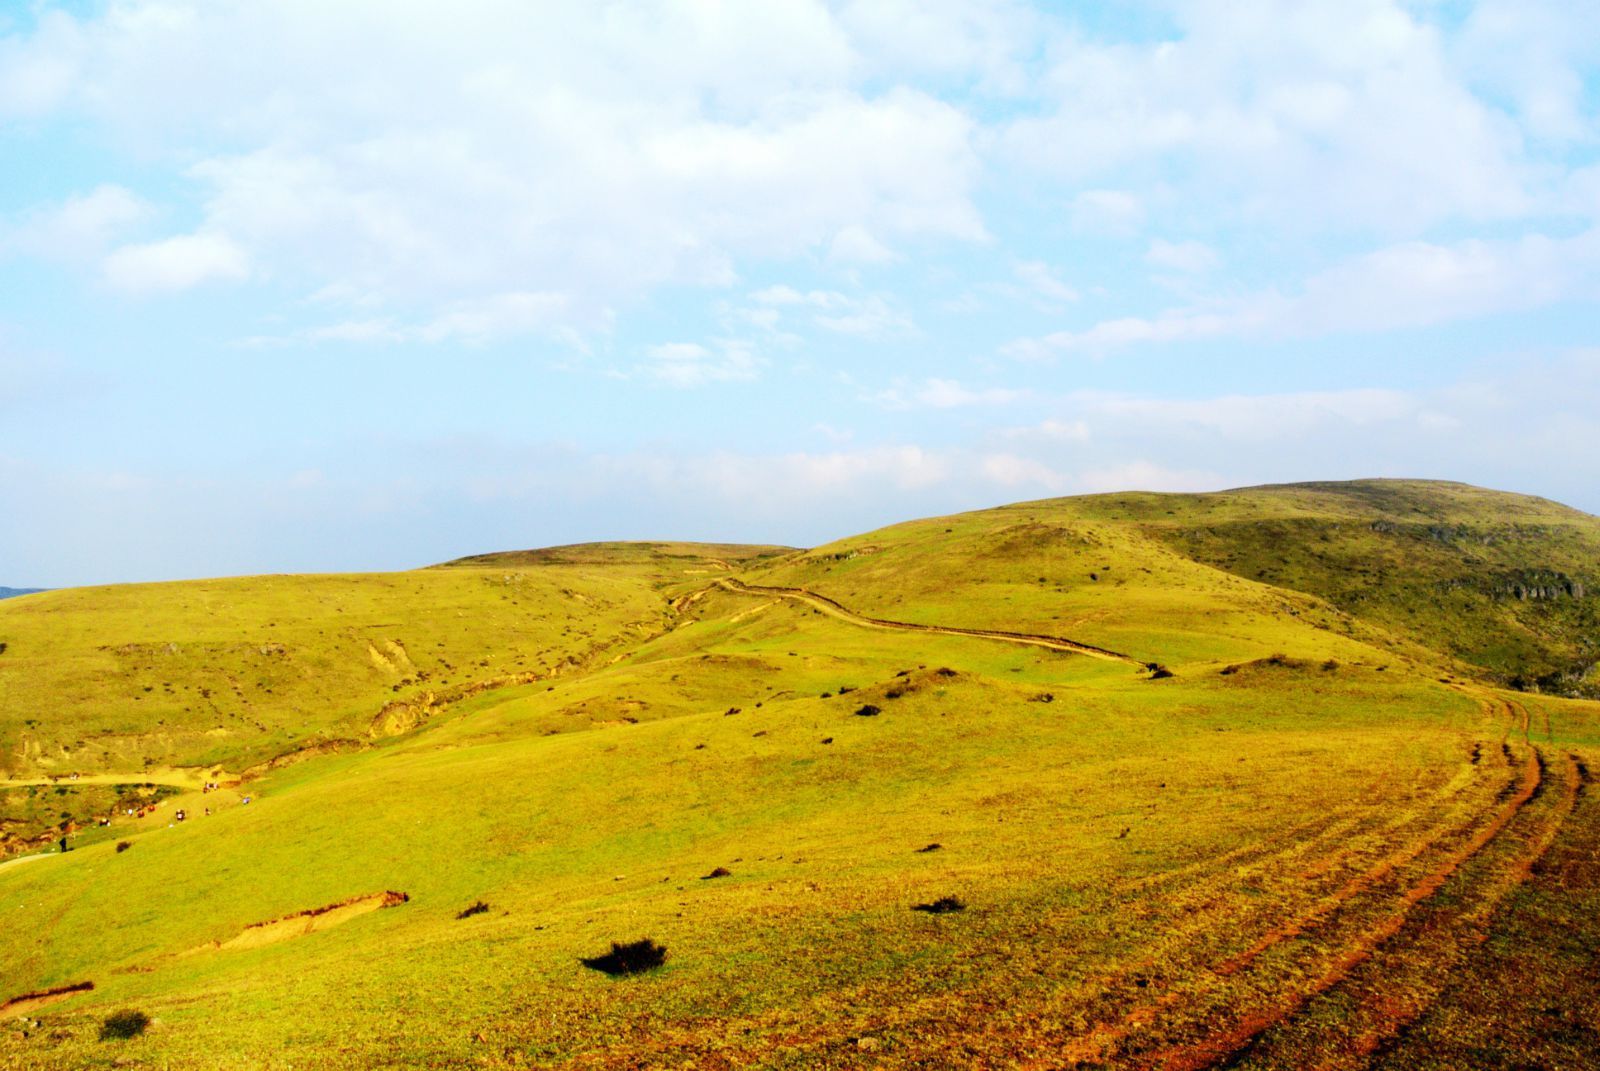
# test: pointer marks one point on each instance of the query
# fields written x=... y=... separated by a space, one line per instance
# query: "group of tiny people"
x=145 y=810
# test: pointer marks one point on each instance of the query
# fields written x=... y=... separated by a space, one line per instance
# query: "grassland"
x=1319 y=843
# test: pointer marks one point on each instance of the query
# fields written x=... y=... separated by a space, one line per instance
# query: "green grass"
x=235 y=671
x=1114 y=843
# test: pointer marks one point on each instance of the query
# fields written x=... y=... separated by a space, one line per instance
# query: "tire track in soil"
x=1225 y=1048
x=1097 y=1042
x=1201 y=917
x=1389 y=1014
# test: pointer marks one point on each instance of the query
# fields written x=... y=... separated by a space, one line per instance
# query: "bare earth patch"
x=302 y=923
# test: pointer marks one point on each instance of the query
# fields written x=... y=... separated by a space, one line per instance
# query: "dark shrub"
x=124 y=1024
x=827 y=739
x=935 y=846
x=123 y=845
x=846 y=689
x=634 y=958
x=719 y=872
x=478 y=908
x=868 y=711
x=945 y=905
x=945 y=671
x=1160 y=673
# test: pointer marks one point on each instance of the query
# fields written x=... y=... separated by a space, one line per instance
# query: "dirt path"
x=25 y=859
x=844 y=613
x=184 y=779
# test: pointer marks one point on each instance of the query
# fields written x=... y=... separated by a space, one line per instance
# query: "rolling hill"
x=1136 y=781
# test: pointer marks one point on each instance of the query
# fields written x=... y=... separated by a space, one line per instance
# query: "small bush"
x=945 y=671
x=633 y=958
x=945 y=905
x=478 y=908
x=123 y=1025
x=868 y=711
x=123 y=845
x=934 y=847
x=1160 y=673
x=719 y=872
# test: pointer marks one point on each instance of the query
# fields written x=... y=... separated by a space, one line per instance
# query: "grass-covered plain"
x=1318 y=843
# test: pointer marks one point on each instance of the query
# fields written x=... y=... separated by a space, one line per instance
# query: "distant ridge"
x=6 y=593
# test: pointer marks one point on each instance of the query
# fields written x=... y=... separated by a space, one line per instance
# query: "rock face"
x=1537 y=586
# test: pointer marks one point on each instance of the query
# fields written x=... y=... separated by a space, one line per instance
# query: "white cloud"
x=990 y=39
x=82 y=226
x=946 y=394
x=1011 y=471
x=1191 y=258
x=1051 y=430
x=689 y=364
x=1113 y=212
x=594 y=151
x=1411 y=284
x=1147 y=476
x=1041 y=281
x=1320 y=114
x=869 y=316
x=177 y=263
x=482 y=319
x=1532 y=52
x=1259 y=417
x=854 y=245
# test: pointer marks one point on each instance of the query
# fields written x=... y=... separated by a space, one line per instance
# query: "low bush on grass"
x=478 y=908
x=119 y=1026
x=945 y=905
x=633 y=958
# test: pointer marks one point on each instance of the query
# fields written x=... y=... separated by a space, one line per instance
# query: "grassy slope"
x=1115 y=843
x=1430 y=564
x=236 y=671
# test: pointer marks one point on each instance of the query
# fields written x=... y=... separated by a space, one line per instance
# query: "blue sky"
x=293 y=286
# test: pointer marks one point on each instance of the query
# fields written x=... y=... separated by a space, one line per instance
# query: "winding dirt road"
x=844 y=613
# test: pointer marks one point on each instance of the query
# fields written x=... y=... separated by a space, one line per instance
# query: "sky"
x=292 y=286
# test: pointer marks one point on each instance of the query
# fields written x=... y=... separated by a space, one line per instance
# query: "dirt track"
x=844 y=613
x=1380 y=943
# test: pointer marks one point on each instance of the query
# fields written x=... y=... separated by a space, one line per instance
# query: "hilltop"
x=1126 y=781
